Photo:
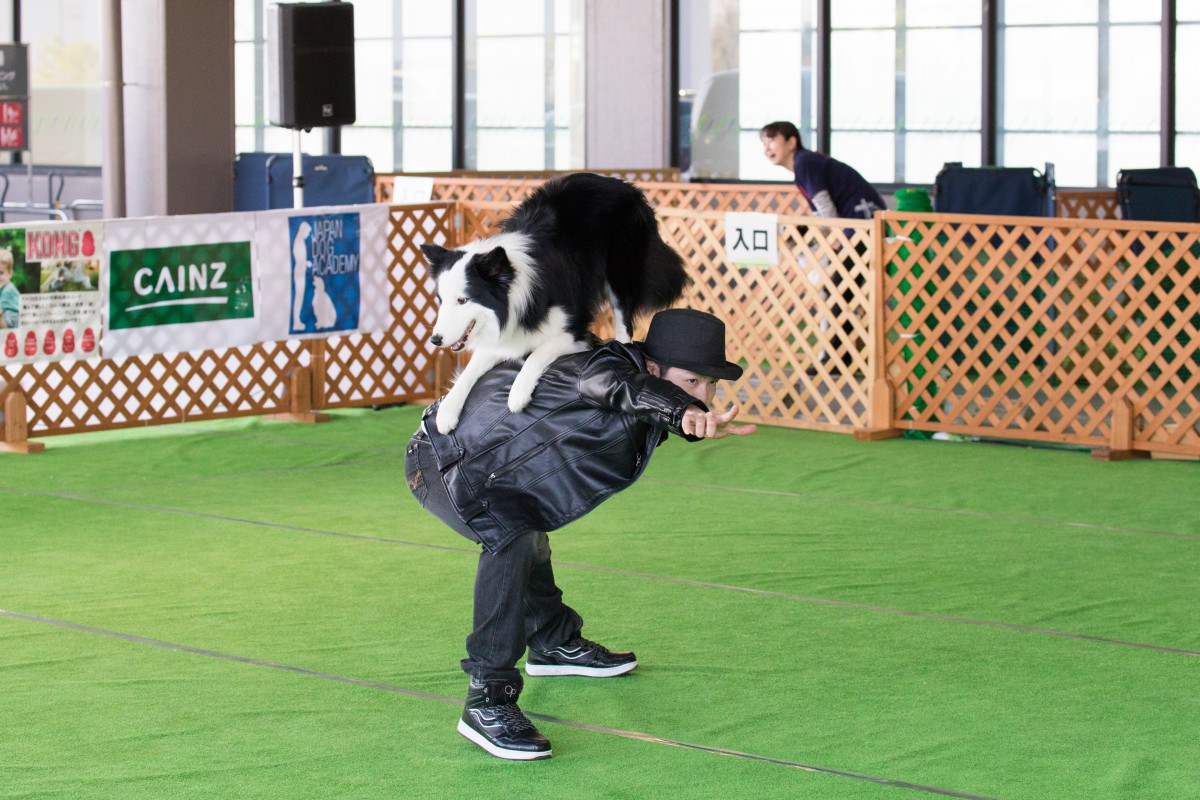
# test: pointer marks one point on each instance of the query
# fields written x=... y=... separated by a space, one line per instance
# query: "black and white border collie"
x=533 y=290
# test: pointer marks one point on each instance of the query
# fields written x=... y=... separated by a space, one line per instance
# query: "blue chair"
x=263 y=181
x=1160 y=194
x=1005 y=191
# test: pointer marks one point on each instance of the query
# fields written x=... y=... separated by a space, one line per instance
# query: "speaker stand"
x=297 y=171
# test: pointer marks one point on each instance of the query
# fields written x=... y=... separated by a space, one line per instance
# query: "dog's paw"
x=520 y=394
x=447 y=416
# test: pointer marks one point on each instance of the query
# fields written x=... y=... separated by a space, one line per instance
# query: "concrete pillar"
x=179 y=110
x=628 y=102
x=112 y=70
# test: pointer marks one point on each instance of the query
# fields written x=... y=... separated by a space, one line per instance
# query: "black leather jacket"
x=588 y=433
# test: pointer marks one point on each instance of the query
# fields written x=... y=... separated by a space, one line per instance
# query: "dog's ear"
x=494 y=266
x=435 y=255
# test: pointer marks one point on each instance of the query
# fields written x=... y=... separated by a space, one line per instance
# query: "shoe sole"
x=541 y=670
x=500 y=752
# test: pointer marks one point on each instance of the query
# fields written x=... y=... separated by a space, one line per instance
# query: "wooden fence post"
x=299 y=399
x=15 y=433
x=1122 y=434
x=883 y=395
x=317 y=354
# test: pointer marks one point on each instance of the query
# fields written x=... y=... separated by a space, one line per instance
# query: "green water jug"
x=913 y=200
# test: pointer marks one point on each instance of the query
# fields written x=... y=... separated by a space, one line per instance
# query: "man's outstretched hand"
x=711 y=425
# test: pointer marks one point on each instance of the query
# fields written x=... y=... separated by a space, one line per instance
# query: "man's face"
x=701 y=387
x=778 y=150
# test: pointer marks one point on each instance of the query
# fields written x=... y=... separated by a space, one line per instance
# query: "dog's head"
x=473 y=295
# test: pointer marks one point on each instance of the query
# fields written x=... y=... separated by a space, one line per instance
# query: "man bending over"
x=503 y=480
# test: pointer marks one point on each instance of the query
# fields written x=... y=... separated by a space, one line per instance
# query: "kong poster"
x=50 y=304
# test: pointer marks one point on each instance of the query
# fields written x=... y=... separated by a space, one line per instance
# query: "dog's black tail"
x=657 y=277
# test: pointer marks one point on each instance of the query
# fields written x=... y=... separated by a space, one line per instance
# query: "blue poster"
x=326 y=256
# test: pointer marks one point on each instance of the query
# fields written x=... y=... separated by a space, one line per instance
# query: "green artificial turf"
x=256 y=609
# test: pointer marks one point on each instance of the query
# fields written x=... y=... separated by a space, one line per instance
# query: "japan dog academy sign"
x=179 y=285
x=326 y=250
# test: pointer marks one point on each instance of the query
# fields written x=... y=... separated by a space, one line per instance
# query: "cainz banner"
x=180 y=285
x=326 y=261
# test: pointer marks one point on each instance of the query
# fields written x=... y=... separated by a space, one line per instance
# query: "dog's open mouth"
x=462 y=342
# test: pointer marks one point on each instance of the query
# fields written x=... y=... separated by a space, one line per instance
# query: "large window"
x=522 y=87
x=904 y=88
x=423 y=86
x=524 y=84
x=1187 y=64
x=906 y=78
x=743 y=63
x=65 y=99
x=1080 y=87
x=1075 y=83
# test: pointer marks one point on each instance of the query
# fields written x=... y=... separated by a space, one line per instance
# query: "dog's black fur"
x=587 y=231
x=533 y=290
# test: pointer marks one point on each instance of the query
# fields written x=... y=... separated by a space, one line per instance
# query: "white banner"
x=409 y=189
x=49 y=291
x=180 y=283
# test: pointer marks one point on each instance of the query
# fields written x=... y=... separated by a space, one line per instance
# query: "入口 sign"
x=752 y=238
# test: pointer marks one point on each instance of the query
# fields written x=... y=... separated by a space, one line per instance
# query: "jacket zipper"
x=492 y=477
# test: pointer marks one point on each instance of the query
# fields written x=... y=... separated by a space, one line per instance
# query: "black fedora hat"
x=691 y=340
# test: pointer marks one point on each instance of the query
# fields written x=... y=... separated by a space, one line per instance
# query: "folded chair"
x=1161 y=194
x=1005 y=191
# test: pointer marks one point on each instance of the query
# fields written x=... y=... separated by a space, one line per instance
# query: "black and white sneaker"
x=579 y=656
x=492 y=720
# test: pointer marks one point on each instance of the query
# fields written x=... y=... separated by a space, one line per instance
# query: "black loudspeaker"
x=311 y=56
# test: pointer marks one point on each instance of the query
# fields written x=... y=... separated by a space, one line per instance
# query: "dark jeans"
x=517 y=602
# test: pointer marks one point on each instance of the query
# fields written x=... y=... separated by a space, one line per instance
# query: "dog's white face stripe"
x=460 y=321
x=516 y=247
x=452 y=284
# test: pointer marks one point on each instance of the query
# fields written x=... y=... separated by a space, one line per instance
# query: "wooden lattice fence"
x=102 y=394
x=802 y=329
x=1077 y=331
x=767 y=198
x=1087 y=204
x=385 y=181
x=288 y=378
x=764 y=198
